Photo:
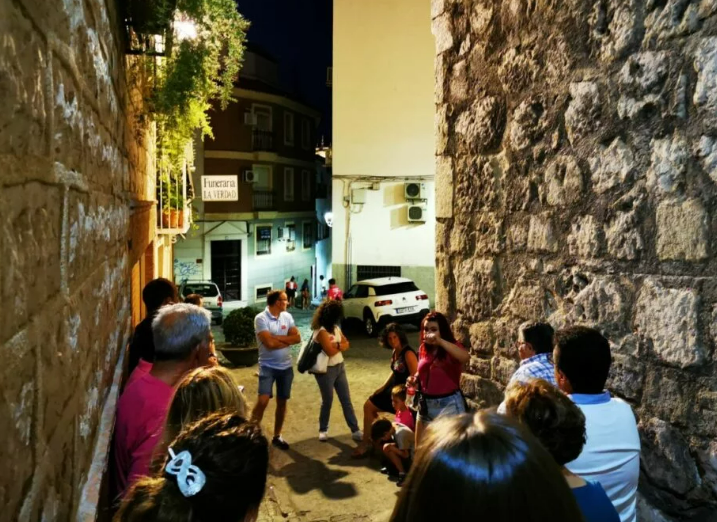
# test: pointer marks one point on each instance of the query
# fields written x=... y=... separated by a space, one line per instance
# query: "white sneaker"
x=357 y=435
x=323 y=436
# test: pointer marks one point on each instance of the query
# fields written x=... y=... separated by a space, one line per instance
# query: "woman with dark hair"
x=305 y=295
x=559 y=424
x=215 y=470
x=486 y=467
x=404 y=363
x=290 y=289
x=326 y=331
x=440 y=365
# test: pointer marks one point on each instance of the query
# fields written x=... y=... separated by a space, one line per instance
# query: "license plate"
x=405 y=310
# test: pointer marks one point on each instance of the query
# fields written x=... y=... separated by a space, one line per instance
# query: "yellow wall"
x=383 y=88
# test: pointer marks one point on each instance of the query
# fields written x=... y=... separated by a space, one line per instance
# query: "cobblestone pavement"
x=316 y=481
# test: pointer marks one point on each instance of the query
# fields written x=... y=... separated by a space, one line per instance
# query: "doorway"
x=226 y=268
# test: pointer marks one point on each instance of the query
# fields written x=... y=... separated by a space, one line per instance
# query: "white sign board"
x=220 y=188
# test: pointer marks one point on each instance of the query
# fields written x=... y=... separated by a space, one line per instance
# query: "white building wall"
x=383 y=117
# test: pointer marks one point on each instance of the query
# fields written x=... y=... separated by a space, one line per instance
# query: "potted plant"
x=240 y=348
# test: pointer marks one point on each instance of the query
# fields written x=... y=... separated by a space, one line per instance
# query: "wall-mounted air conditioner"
x=250 y=118
x=416 y=214
x=249 y=177
x=414 y=191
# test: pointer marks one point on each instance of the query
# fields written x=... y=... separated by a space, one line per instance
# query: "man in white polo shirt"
x=611 y=455
x=275 y=333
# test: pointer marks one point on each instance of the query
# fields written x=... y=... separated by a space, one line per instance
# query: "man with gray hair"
x=182 y=341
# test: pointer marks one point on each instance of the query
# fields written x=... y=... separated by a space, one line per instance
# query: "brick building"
x=267 y=140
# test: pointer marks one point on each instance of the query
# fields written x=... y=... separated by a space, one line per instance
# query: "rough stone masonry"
x=576 y=182
x=71 y=162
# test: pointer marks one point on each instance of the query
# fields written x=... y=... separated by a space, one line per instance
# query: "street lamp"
x=184 y=27
x=329 y=218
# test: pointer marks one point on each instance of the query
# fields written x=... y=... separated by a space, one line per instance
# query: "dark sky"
x=298 y=33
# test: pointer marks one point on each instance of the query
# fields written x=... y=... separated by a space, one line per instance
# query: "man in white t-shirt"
x=611 y=455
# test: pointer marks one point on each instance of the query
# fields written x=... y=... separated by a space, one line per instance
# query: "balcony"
x=174 y=195
x=262 y=141
x=263 y=200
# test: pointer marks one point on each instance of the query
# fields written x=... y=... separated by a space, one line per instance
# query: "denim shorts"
x=283 y=379
x=451 y=405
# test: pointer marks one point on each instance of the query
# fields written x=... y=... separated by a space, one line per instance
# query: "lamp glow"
x=329 y=218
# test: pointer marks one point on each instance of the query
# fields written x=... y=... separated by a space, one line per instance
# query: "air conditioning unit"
x=416 y=214
x=249 y=177
x=250 y=118
x=415 y=191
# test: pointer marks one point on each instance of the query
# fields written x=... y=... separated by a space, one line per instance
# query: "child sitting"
x=397 y=444
x=403 y=414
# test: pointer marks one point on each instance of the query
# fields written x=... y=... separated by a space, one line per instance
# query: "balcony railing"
x=173 y=200
x=263 y=200
x=262 y=141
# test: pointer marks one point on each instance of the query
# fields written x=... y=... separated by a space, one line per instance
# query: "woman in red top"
x=440 y=364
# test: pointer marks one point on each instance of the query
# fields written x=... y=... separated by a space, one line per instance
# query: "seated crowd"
x=559 y=447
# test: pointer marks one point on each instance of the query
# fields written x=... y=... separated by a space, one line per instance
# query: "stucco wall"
x=576 y=173
x=70 y=165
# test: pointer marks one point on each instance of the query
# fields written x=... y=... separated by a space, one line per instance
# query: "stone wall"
x=70 y=166
x=576 y=182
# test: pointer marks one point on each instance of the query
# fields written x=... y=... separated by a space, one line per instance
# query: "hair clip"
x=190 y=479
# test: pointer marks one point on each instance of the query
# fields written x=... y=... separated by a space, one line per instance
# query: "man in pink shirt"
x=183 y=341
x=335 y=292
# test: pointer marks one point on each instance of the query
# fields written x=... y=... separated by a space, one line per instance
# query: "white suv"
x=377 y=302
x=211 y=296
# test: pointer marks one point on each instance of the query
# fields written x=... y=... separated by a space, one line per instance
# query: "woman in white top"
x=326 y=331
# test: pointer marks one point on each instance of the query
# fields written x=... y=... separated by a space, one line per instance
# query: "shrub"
x=239 y=326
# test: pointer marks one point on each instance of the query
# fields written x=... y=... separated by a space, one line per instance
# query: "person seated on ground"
x=404 y=363
x=194 y=299
x=156 y=294
x=611 y=454
x=396 y=441
x=483 y=466
x=202 y=391
x=215 y=470
x=182 y=341
x=403 y=414
x=559 y=425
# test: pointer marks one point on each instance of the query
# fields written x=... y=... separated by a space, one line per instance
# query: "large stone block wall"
x=70 y=165
x=576 y=182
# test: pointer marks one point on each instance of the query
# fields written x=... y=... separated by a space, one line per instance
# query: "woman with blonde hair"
x=201 y=392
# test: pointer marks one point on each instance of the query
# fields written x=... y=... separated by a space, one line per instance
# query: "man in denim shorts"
x=275 y=333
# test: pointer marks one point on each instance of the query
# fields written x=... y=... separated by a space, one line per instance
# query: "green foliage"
x=239 y=326
x=195 y=72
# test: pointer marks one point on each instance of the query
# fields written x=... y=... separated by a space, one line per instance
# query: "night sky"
x=298 y=34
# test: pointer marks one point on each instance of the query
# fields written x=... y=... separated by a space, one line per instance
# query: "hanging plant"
x=204 y=51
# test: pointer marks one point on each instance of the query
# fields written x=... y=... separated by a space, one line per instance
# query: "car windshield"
x=396 y=288
x=203 y=290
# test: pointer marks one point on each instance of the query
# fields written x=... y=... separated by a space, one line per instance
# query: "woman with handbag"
x=326 y=332
x=440 y=364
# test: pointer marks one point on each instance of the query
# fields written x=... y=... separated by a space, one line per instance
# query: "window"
x=305 y=185
x=263 y=240
x=322 y=231
x=288 y=128
x=362 y=291
x=261 y=291
x=262 y=175
x=262 y=115
x=308 y=234
x=288 y=184
x=204 y=290
x=306 y=134
x=373 y=272
x=289 y=235
x=396 y=288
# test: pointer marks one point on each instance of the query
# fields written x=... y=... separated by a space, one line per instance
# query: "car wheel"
x=370 y=325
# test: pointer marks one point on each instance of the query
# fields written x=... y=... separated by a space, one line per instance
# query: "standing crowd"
x=188 y=446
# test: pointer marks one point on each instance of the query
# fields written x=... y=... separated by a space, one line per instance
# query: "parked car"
x=377 y=302
x=211 y=297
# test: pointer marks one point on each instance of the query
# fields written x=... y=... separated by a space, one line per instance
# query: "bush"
x=239 y=326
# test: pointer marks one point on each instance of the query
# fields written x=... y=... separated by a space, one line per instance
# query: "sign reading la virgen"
x=220 y=188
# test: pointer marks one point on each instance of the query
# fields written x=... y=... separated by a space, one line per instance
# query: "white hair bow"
x=190 y=479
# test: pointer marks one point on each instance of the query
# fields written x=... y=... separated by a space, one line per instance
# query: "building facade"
x=268 y=232
x=383 y=138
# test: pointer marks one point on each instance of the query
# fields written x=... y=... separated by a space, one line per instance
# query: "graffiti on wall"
x=186 y=270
